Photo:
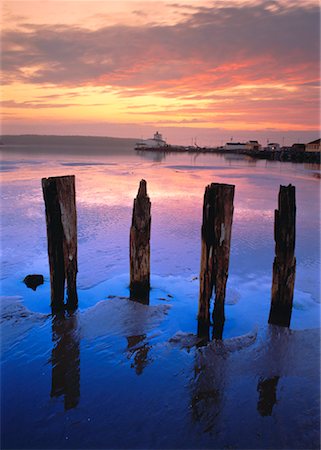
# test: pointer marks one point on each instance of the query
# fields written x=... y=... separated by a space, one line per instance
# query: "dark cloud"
x=214 y=46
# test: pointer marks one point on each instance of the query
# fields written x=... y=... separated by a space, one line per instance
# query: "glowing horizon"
x=206 y=68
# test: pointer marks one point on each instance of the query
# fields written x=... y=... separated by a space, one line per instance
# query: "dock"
x=284 y=154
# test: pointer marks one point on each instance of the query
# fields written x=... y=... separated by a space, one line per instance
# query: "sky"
x=195 y=70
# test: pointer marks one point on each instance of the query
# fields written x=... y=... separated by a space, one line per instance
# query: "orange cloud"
x=231 y=64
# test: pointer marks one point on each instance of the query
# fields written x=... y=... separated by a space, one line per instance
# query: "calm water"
x=122 y=375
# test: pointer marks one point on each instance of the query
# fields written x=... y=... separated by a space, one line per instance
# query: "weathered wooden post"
x=216 y=240
x=140 y=246
x=284 y=262
x=60 y=201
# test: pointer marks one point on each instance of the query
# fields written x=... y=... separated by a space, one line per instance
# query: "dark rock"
x=33 y=281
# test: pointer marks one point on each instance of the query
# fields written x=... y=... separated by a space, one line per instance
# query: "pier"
x=286 y=154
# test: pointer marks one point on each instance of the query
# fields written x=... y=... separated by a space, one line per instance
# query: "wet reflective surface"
x=120 y=374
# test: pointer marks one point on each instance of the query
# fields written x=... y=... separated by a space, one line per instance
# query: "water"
x=122 y=375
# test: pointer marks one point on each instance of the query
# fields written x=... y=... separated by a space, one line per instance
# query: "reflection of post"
x=284 y=261
x=208 y=386
x=140 y=352
x=267 y=391
x=59 y=196
x=140 y=246
x=216 y=239
x=65 y=359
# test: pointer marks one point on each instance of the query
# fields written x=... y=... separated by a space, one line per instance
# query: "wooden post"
x=140 y=246
x=216 y=240
x=60 y=201
x=284 y=262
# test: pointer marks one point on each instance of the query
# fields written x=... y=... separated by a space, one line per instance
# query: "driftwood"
x=216 y=240
x=284 y=264
x=140 y=246
x=59 y=196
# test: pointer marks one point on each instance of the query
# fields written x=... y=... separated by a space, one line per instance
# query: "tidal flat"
x=117 y=374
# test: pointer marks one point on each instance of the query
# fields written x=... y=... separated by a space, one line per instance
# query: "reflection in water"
x=267 y=391
x=233 y=157
x=251 y=161
x=203 y=332
x=195 y=156
x=208 y=386
x=312 y=166
x=203 y=328
x=139 y=349
x=156 y=156
x=206 y=407
x=218 y=321
x=140 y=295
x=65 y=359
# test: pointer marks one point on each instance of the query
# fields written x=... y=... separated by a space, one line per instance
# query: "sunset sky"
x=210 y=70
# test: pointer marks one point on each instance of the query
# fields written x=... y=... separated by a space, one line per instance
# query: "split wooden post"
x=284 y=262
x=216 y=240
x=140 y=246
x=60 y=201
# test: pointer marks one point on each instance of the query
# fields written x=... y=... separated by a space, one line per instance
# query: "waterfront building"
x=297 y=147
x=273 y=147
x=235 y=146
x=313 y=146
x=249 y=145
x=253 y=145
x=156 y=142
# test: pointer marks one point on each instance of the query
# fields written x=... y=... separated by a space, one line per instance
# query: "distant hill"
x=66 y=144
